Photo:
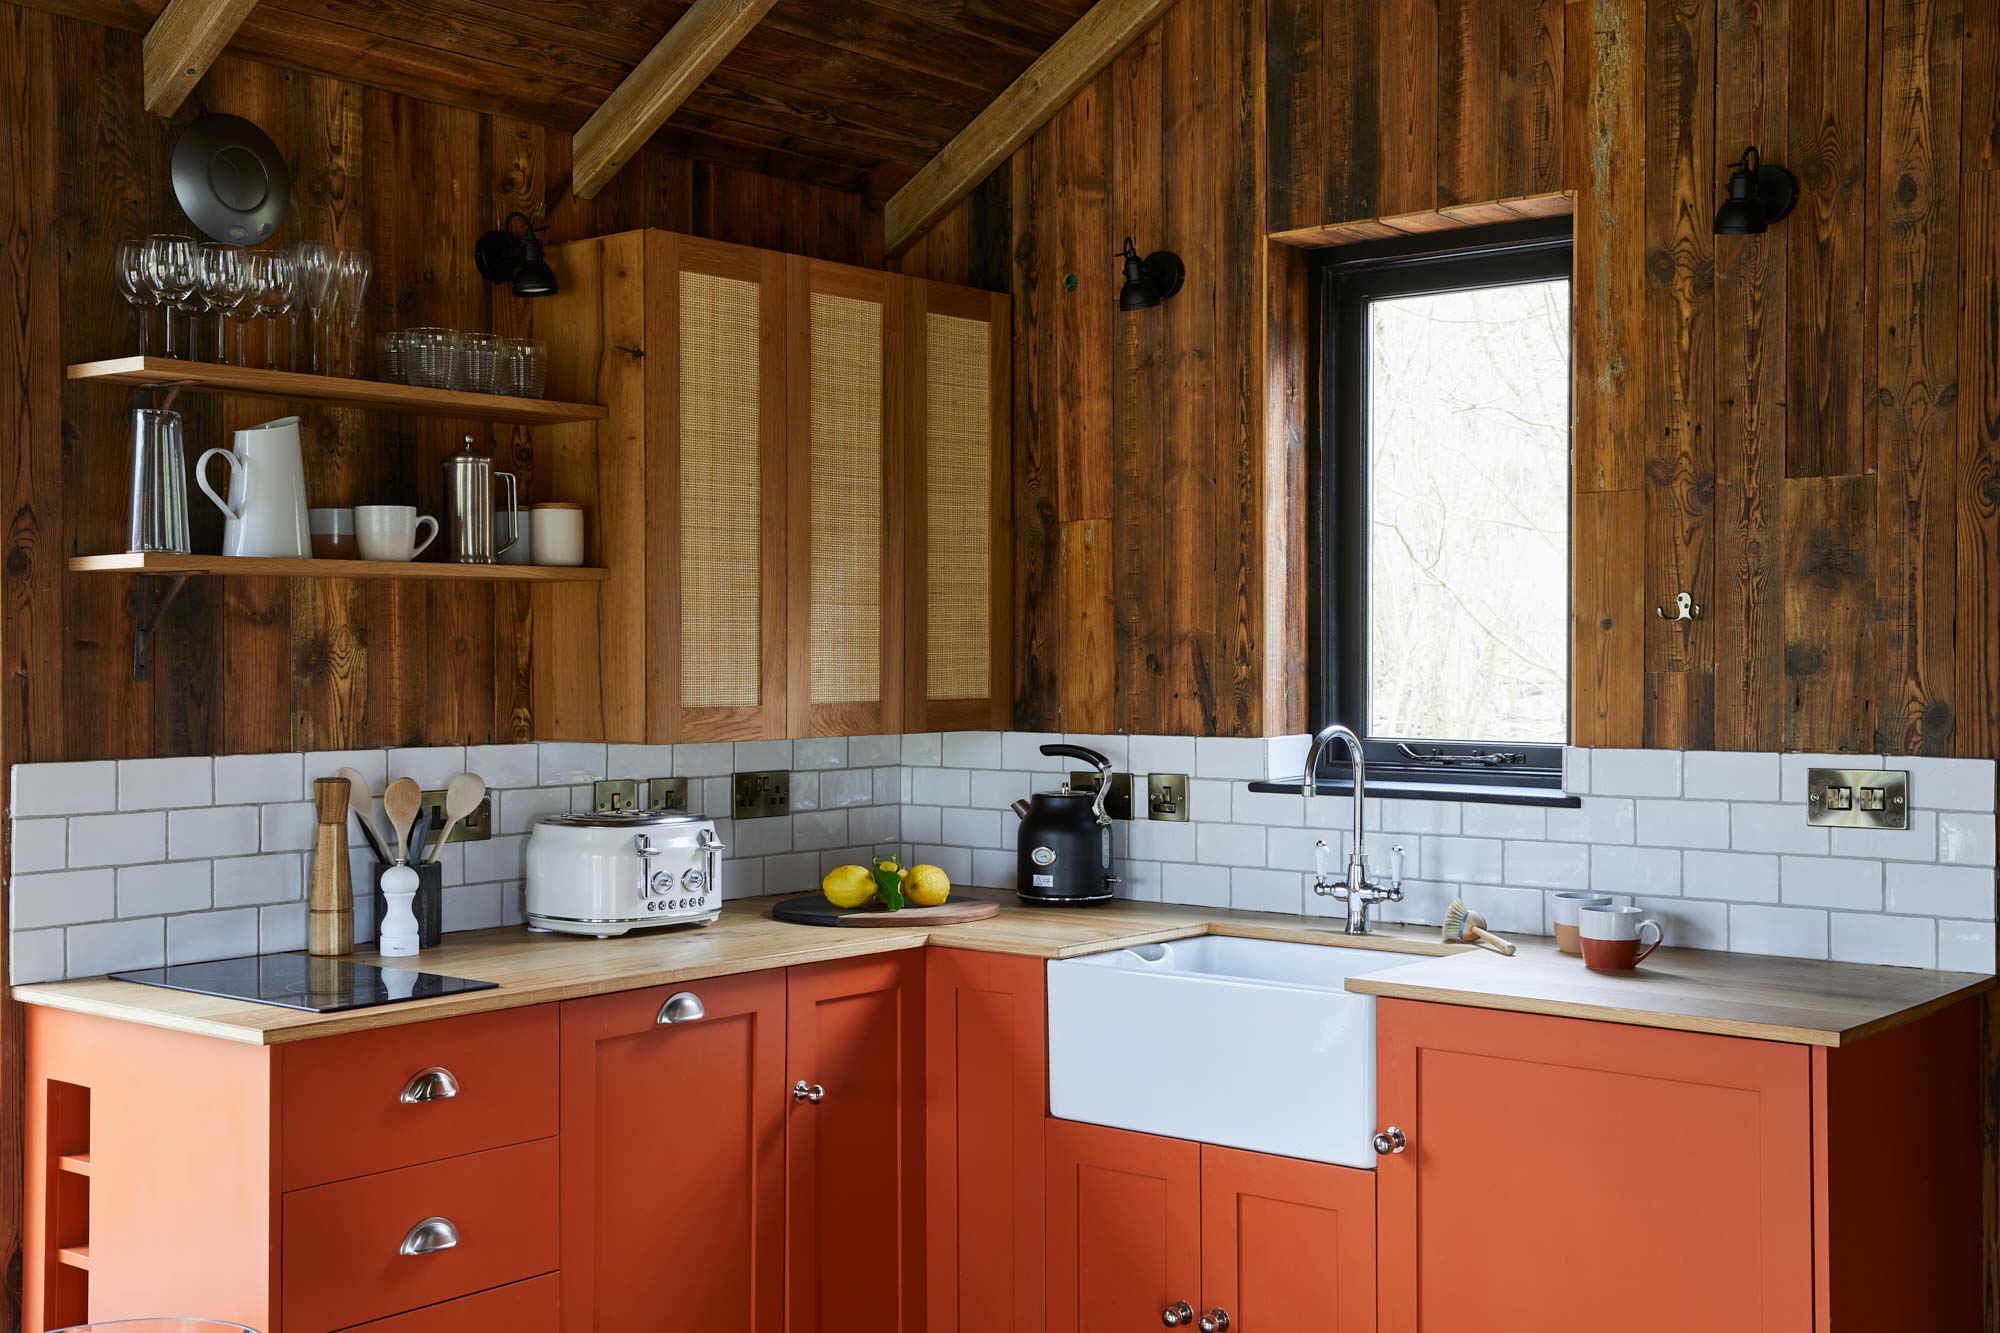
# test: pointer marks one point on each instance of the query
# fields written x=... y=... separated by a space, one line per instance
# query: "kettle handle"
x=1058 y=750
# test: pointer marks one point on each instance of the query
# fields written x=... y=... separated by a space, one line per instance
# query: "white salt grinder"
x=399 y=918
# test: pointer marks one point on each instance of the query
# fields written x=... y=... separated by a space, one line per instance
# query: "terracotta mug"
x=1611 y=937
x=1564 y=906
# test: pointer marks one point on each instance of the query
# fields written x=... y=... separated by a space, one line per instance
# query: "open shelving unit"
x=162 y=576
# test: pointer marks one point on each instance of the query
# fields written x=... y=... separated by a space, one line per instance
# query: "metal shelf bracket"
x=148 y=603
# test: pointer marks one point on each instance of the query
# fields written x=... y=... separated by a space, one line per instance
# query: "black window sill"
x=1546 y=797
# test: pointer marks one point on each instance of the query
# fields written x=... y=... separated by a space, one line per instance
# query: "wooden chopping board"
x=812 y=909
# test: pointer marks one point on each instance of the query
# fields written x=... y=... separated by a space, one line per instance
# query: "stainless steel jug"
x=156 y=516
x=468 y=504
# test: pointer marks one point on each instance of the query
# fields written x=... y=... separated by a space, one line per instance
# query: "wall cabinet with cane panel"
x=801 y=493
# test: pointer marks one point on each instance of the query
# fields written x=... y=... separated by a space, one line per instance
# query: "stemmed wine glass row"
x=182 y=276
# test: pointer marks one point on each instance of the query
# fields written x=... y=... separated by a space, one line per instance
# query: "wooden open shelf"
x=76 y=1163
x=279 y=568
x=378 y=394
x=74 y=1256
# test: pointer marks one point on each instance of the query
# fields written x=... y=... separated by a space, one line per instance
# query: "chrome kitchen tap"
x=1358 y=891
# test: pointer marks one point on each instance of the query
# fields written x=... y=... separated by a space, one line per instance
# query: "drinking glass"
x=156 y=515
x=169 y=267
x=313 y=263
x=524 y=367
x=430 y=357
x=220 y=278
x=277 y=293
x=351 y=271
x=389 y=357
x=129 y=267
x=479 y=363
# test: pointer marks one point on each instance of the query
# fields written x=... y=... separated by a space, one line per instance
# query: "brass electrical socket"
x=1167 y=797
x=475 y=827
x=667 y=794
x=761 y=795
x=1117 y=802
x=613 y=795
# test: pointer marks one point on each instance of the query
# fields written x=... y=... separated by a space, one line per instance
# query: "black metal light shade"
x=1151 y=280
x=504 y=257
x=1760 y=193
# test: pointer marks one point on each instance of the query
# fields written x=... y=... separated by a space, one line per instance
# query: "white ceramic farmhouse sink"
x=1247 y=1043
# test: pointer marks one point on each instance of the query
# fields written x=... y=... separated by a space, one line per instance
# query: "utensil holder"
x=428 y=905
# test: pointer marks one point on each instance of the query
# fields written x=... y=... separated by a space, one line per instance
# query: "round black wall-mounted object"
x=231 y=180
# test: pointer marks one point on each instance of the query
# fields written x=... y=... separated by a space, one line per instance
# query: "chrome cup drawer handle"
x=684 y=1007
x=436 y=1084
x=429 y=1236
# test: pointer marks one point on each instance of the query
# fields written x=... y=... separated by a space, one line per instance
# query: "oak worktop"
x=1779 y=999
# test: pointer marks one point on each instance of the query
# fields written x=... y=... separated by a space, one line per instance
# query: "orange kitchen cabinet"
x=1563 y=1175
x=854 y=1145
x=1124 y=1227
x=520 y=1307
x=673 y=1209
x=1286 y=1244
x=985 y=1097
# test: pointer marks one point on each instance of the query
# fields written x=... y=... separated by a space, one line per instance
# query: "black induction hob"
x=298 y=981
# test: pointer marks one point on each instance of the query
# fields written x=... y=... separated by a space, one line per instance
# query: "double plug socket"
x=1166 y=795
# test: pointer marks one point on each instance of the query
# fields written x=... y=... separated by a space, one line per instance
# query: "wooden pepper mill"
x=330 y=903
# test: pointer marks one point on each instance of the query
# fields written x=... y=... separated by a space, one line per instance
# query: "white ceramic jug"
x=266 y=508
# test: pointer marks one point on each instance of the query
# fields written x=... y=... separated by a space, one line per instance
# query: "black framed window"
x=1441 y=533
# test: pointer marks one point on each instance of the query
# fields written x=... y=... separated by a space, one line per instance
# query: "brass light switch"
x=1858 y=798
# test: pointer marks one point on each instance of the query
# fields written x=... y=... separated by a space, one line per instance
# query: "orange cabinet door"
x=673 y=1158
x=1564 y=1176
x=1124 y=1228
x=985 y=1096
x=520 y=1307
x=1286 y=1244
x=854 y=1037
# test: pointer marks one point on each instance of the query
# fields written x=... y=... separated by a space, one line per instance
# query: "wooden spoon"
x=461 y=798
x=401 y=803
x=361 y=800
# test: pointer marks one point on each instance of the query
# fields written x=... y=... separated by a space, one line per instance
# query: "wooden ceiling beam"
x=638 y=107
x=1023 y=107
x=182 y=43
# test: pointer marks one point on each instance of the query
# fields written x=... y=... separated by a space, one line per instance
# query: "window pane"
x=1468 y=504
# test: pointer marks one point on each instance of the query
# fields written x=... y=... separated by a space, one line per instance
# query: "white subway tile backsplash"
x=1688 y=924
x=997 y=789
x=956 y=862
x=472 y=907
x=521 y=765
x=1683 y=823
x=1893 y=941
x=370 y=764
x=1503 y=821
x=35 y=955
x=1196 y=885
x=876 y=823
x=1297 y=849
x=123 y=840
x=763 y=837
x=1775 y=828
x=432 y=767
x=1743 y=877
x=1598 y=819
x=571 y=762
x=223 y=830
x=1918 y=842
x=165 y=784
x=1576 y=771
x=1023 y=750
x=497 y=859
x=1117 y=749
x=1793 y=769
x=890 y=784
x=971 y=749
x=716 y=759
x=972 y=828
x=940 y=786
x=252 y=779
x=164 y=889
x=64 y=789
x=1790 y=932
x=1635 y=772
x=844 y=788
x=1831 y=881
x=201 y=936
x=1651 y=872
x=1463 y=860
x=1162 y=754
x=1158 y=840
x=281 y=928
x=118 y=946
x=1140 y=880
x=244 y=880
x=1226 y=757
x=1419 y=816
x=61 y=898
x=39 y=844
x=1548 y=865
x=926 y=749
x=1962 y=839
x=1966 y=946
x=761 y=757
x=1730 y=775
x=923 y=823
x=811 y=832
x=291 y=827
x=1229 y=844
x=1285 y=757
x=1257 y=807
x=874 y=751
x=1954 y=891
x=1266 y=891
x=518 y=809
x=1949 y=784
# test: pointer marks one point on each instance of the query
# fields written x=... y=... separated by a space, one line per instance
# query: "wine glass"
x=169 y=268
x=313 y=262
x=220 y=278
x=351 y=271
x=129 y=267
x=277 y=293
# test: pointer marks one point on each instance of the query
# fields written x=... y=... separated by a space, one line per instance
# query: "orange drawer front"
x=344 y=1112
x=525 y=1307
x=343 y=1248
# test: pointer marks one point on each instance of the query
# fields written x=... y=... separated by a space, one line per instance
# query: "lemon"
x=927 y=886
x=848 y=886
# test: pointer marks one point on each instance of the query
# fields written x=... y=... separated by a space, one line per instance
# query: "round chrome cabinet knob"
x=1215 y=1321
x=1390 y=1141
x=1177 y=1315
x=803 y=1091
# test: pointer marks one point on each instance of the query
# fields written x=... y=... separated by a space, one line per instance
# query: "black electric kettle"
x=1065 y=856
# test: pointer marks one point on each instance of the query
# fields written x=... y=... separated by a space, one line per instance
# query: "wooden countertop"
x=1777 y=999
x=1689 y=990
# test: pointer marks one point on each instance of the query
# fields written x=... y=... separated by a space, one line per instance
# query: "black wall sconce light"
x=1151 y=280
x=504 y=257
x=1759 y=194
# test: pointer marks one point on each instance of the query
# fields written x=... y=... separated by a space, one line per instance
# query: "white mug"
x=557 y=533
x=389 y=532
x=1611 y=937
x=1564 y=907
x=265 y=514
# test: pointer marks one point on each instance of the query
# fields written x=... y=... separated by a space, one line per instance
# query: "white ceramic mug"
x=265 y=514
x=557 y=533
x=1564 y=907
x=1611 y=937
x=389 y=532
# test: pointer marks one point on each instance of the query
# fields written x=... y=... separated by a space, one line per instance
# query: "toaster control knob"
x=695 y=881
x=659 y=882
